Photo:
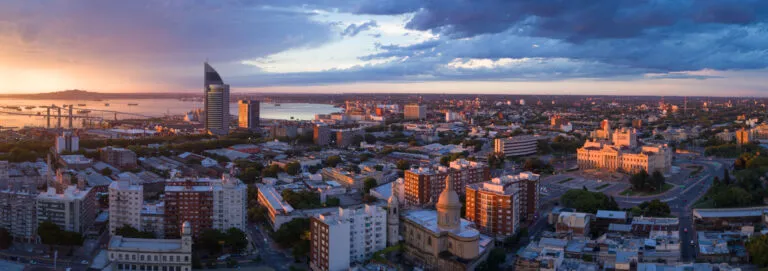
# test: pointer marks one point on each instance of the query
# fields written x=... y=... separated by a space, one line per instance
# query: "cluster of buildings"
x=203 y=202
x=620 y=151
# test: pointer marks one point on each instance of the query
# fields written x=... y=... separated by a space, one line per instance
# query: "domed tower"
x=393 y=218
x=448 y=207
x=186 y=237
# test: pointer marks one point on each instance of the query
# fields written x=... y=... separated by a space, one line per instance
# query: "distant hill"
x=77 y=94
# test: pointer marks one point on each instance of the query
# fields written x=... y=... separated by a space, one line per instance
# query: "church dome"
x=448 y=198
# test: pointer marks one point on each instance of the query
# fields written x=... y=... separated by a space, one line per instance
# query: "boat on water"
x=277 y=104
x=80 y=104
x=106 y=104
x=83 y=111
x=133 y=104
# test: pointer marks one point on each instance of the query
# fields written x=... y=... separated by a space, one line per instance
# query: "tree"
x=368 y=184
x=332 y=161
x=726 y=177
x=639 y=180
x=235 y=240
x=445 y=160
x=657 y=180
x=293 y=234
x=128 y=231
x=378 y=167
x=588 y=202
x=654 y=208
x=533 y=164
x=496 y=257
x=49 y=233
x=5 y=239
x=758 y=250
x=106 y=171
x=272 y=171
x=211 y=240
x=403 y=165
x=293 y=168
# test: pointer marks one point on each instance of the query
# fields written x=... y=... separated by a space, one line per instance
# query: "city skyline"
x=684 y=48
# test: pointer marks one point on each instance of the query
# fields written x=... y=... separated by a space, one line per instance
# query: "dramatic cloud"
x=354 y=29
x=258 y=43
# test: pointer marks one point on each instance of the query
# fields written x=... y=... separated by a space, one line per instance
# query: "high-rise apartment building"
x=248 y=114
x=72 y=210
x=347 y=236
x=125 y=202
x=516 y=146
x=424 y=184
x=415 y=112
x=118 y=157
x=216 y=102
x=497 y=207
x=205 y=203
x=18 y=213
x=67 y=142
x=230 y=196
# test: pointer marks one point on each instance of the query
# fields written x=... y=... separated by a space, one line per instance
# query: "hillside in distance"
x=77 y=94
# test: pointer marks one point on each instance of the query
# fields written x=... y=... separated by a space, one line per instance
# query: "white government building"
x=152 y=254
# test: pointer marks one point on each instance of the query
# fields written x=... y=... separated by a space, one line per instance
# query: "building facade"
x=347 y=236
x=248 y=114
x=152 y=254
x=72 y=210
x=205 y=203
x=322 y=134
x=118 y=157
x=125 y=203
x=415 y=112
x=499 y=206
x=441 y=239
x=516 y=145
x=624 y=155
x=230 y=196
x=216 y=102
x=18 y=213
x=424 y=184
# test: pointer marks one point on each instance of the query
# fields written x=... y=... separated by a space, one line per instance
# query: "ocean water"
x=143 y=108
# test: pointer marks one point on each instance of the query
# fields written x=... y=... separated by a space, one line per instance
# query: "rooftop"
x=149 y=245
x=428 y=220
x=274 y=198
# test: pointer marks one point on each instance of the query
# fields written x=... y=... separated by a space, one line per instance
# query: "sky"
x=585 y=47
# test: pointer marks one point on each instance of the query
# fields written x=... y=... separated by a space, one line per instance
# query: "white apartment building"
x=72 y=210
x=152 y=254
x=17 y=213
x=229 y=200
x=516 y=145
x=347 y=236
x=125 y=203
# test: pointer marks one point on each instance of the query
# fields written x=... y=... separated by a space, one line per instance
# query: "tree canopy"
x=588 y=202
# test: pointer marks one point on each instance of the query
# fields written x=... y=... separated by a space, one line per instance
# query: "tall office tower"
x=248 y=114
x=216 y=102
